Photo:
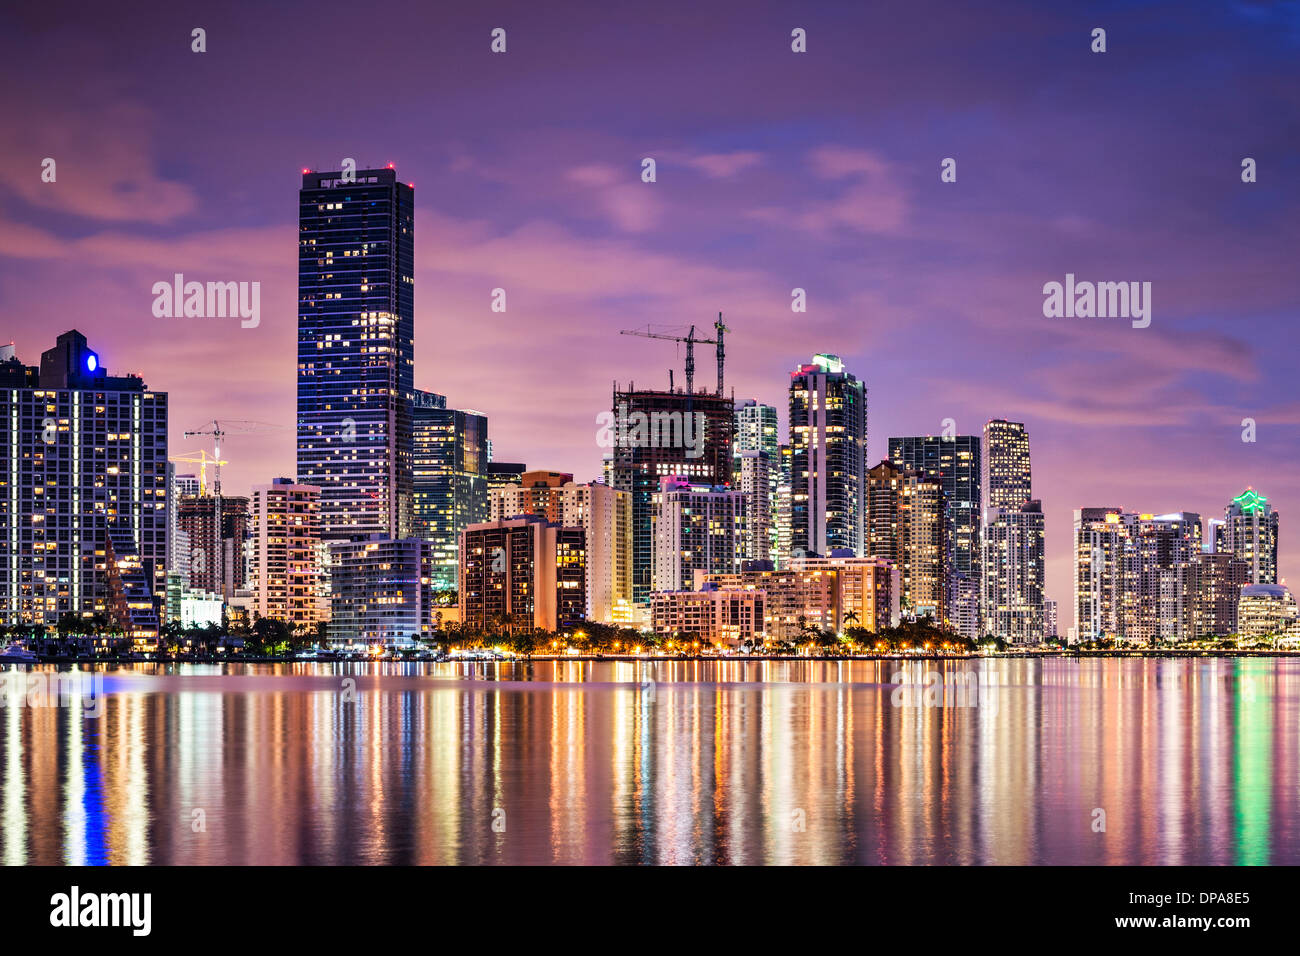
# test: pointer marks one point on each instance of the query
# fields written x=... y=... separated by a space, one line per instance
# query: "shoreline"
x=632 y=658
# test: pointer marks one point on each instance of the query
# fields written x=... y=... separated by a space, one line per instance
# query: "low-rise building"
x=382 y=591
x=715 y=615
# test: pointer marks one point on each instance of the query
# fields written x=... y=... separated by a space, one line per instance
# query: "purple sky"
x=775 y=170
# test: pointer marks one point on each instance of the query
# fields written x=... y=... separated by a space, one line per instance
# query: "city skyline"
x=738 y=217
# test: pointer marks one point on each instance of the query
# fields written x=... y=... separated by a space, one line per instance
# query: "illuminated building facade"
x=955 y=463
x=657 y=434
x=521 y=573
x=1007 y=481
x=828 y=468
x=905 y=525
x=833 y=593
x=356 y=332
x=697 y=527
x=603 y=512
x=1012 y=573
x=381 y=591
x=283 y=572
x=449 y=465
x=757 y=472
x=710 y=615
x=83 y=491
x=1265 y=610
x=1250 y=531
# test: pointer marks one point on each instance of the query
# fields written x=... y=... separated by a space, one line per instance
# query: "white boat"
x=16 y=654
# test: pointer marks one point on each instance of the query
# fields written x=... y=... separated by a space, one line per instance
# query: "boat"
x=16 y=654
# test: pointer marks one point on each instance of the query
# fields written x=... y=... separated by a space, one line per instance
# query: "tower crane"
x=202 y=459
x=690 y=339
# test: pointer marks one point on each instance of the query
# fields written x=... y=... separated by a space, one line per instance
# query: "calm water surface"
x=1192 y=761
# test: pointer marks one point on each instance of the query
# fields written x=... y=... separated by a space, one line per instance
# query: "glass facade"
x=356 y=294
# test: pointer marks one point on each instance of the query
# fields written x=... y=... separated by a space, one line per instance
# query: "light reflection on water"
x=1192 y=761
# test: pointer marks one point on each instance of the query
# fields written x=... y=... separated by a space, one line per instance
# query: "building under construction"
x=680 y=431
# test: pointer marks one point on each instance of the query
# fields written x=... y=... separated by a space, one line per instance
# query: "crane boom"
x=690 y=339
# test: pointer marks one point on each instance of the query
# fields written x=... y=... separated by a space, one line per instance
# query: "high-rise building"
x=828 y=446
x=1250 y=531
x=1007 y=477
x=757 y=472
x=356 y=331
x=905 y=525
x=283 y=572
x=217 y=560
x=753 y=477
x=381 y=591
x=83 y=491
x=1123 y=565
x=784 y=503
x=1012 y=573
x=1012 y=569
x=955 y=463
x=502 y=473
x=698 y=527
x=1051 y=627
x=1199 y=598
x=449 y=465
x=522 y=573
x=658 y=434
x=603 y=512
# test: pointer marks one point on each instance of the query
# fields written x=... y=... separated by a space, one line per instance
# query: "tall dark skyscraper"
x=356 y=330
x=956 y=463
x=828 y=449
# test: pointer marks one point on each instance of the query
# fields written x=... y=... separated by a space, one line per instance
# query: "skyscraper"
x=1250 y=531
x=660 y=433
x=905 y=525
x=697 y=527
x=356 y=330
x=757 y=471
x=1006 y=478
x=1012 y=567
x=449 y=469
x=1012 y=573
x=83 y=491
x=217 y=564
x=283 y=566
x=828 y=447
x=955 y=463
x=1132 y=573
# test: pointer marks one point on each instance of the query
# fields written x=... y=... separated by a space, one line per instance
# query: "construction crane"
x=690 y=339
x=219 y=430
x=202 y=459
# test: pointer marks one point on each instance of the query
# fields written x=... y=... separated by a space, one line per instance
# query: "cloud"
x=873 y=202
x=104 y=164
